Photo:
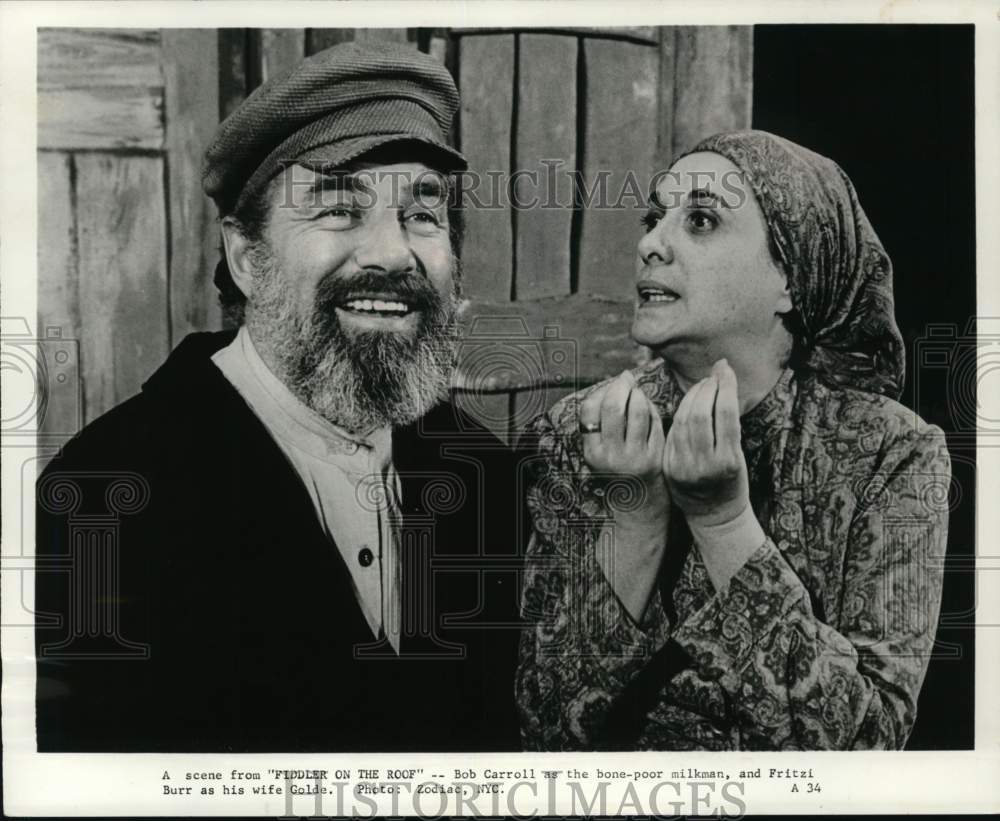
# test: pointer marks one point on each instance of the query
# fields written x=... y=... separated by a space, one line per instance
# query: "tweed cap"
x=332 y=108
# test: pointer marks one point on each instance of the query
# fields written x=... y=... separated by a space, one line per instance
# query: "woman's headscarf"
x=839 y=275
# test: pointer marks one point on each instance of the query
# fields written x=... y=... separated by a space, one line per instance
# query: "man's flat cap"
x=332 y=108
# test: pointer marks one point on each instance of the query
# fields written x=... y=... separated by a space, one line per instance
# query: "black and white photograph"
x=508 y=412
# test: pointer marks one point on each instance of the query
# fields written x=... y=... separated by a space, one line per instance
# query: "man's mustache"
x=413 y=289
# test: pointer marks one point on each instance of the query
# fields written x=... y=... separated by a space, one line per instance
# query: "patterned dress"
x=820 y=641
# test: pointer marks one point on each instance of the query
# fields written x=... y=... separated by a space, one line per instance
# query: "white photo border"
x=116 y=785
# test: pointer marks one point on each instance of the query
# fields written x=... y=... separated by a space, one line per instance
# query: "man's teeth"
x=378 y=306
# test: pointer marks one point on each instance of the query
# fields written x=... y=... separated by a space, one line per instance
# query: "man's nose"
x=386 y=245
x=655 y=246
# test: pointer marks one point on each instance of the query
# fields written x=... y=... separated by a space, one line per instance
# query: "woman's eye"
x=650 y=219
x=702 y=222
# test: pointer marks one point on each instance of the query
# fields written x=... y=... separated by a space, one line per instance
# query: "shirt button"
x=365 y=557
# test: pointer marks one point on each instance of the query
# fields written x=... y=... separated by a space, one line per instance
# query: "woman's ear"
x=784 y=298
x=237 y=248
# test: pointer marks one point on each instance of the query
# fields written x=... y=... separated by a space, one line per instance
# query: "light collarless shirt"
x=351 y=480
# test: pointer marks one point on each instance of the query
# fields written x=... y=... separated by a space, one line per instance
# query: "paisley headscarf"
x=839 y=275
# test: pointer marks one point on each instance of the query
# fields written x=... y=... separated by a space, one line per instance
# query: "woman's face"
x=706 y=283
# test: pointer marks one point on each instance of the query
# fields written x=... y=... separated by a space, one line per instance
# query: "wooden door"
x=551 y=288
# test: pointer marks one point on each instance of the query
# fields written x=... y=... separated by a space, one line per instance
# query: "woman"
x=739 y=545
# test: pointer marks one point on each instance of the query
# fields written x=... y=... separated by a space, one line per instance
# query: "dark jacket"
x=188 y=599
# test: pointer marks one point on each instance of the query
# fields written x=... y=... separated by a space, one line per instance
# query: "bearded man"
x=312 y=549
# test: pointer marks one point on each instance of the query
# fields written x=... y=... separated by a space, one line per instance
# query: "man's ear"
x=237 y=255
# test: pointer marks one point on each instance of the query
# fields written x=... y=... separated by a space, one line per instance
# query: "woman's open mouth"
x=654 y=293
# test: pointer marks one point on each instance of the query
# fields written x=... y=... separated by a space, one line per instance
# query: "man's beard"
x=357 y=380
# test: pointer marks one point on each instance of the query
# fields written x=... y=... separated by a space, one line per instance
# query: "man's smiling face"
x=351 y=290
x=370 y=242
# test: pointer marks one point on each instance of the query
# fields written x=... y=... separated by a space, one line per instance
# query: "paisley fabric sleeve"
x=581 y=647
x=795 y=682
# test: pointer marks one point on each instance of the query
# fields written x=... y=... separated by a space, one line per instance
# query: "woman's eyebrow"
x=696 y=198
x=704 y=198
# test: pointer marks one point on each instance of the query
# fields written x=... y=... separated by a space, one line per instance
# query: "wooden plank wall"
x=125 y=234
x=101 y=139
x=128 y=243
x=550 y=289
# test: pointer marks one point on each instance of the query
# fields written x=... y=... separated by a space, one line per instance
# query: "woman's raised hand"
x=623 y=435
x=702 y=461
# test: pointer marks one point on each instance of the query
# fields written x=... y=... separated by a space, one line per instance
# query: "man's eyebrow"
x=336 y=181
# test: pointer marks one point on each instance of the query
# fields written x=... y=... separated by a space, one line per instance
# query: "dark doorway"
x=894 y=106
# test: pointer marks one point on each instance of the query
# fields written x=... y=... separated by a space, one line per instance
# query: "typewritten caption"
x=433 y=792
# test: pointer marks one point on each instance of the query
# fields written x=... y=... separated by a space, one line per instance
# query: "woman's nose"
x=655 y=247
